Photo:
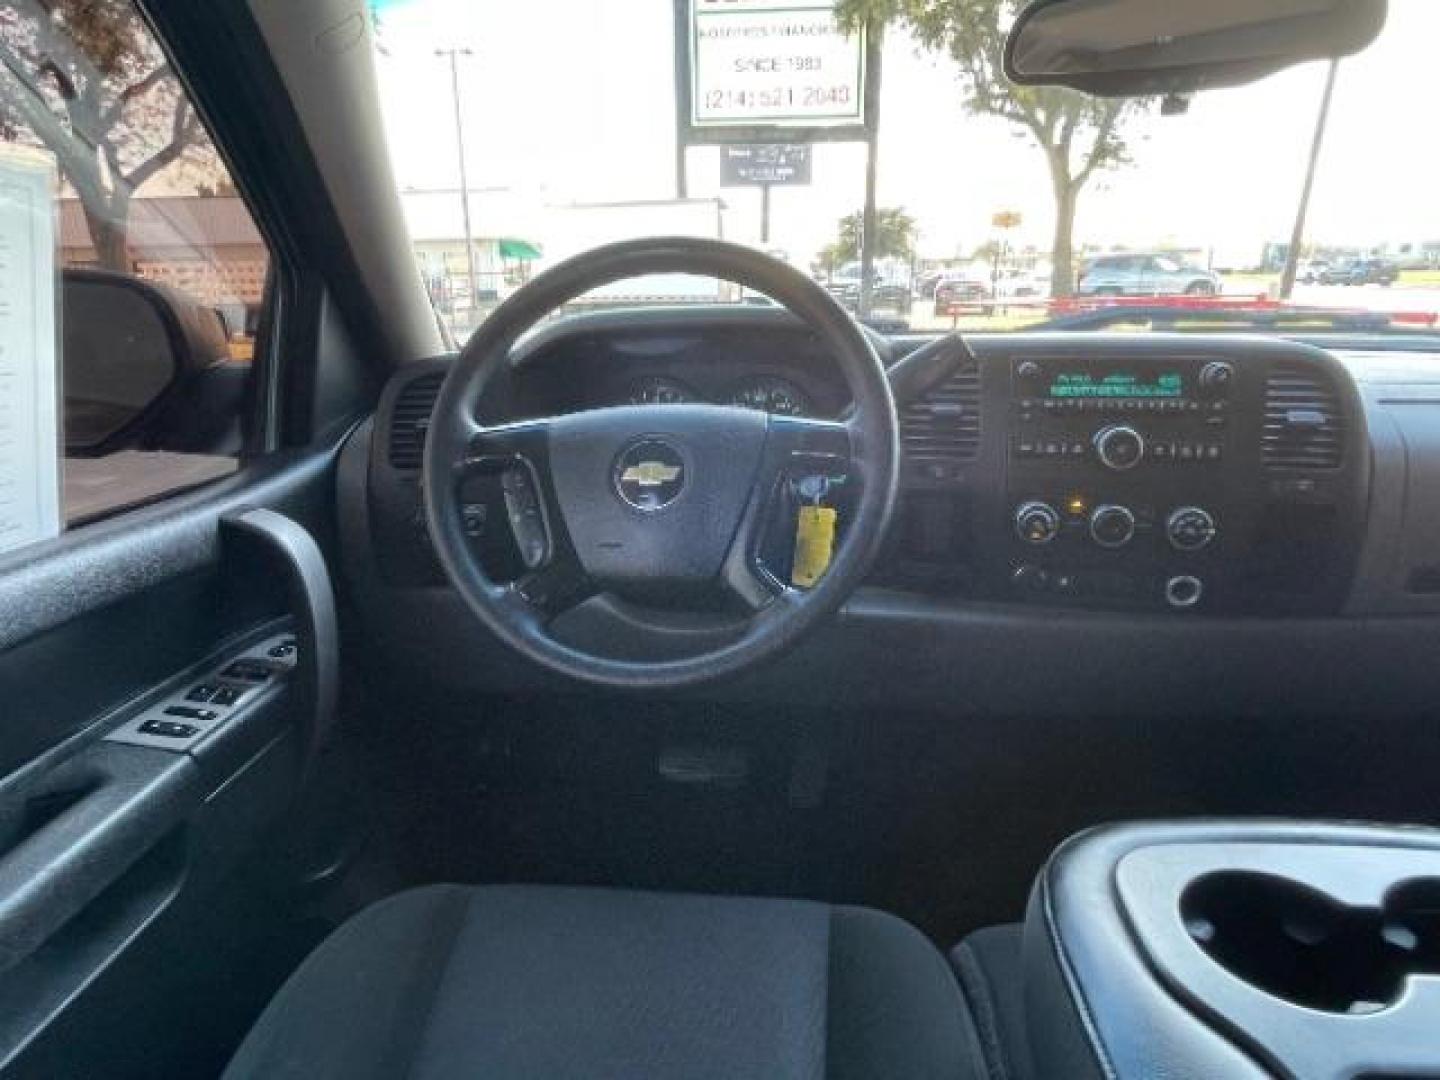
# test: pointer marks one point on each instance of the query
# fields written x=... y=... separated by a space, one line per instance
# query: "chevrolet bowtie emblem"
x=650 y=474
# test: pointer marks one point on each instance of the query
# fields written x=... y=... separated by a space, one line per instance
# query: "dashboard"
x=1184 y=476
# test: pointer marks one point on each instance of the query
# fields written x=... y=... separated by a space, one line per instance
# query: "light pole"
x=454 y=55
x=1297 y=235
x=869 y=228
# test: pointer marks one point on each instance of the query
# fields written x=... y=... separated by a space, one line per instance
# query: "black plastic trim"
x=312 y=601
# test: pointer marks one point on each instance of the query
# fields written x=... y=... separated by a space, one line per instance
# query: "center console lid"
x=1237 y=949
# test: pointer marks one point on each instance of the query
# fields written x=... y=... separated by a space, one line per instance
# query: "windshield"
x=525 y=133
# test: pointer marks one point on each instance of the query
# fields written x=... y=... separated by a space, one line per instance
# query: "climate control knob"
x=1037 y=522
x=1190 y=528
x=1119 y=447
x=1112 y=526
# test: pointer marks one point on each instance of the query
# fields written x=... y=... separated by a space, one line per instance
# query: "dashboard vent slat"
x=944 y=423
x=411 y=419
x=1304 y=427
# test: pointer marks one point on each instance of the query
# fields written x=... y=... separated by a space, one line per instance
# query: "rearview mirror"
x=1119 y=48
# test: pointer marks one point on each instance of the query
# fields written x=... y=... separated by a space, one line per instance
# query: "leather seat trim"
x=1067 y=970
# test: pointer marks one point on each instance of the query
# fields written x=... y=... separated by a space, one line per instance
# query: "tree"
x=1079 y=135
x=988 y=252
x=894 y=237
x=86 y=80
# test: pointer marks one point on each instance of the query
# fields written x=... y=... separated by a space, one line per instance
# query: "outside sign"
x=765 y=164
x=1006 y=219
x=773 y=63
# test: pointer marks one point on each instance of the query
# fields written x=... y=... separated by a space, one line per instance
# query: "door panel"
x=112 y=853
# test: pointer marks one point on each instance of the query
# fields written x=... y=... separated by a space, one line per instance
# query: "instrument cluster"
x=764 y=393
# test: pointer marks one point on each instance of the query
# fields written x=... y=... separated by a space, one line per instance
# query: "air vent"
x=411 y=418
x=1304 y=428
x=944 y=424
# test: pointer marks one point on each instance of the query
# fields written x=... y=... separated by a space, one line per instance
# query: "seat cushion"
x=516 y=981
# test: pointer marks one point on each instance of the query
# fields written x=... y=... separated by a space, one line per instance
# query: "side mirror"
x=1121 y=48
x=127 y=347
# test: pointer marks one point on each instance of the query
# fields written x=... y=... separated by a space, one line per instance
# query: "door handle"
x=312 y=597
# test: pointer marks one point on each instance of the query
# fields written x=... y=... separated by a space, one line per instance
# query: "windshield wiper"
x=1240 y=318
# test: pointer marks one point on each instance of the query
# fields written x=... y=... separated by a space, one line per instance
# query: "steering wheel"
x=669 y=499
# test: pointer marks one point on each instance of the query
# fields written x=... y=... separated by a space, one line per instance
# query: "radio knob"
x=1119 y=447
x=1215 y=377
x=1190 y=528
x=1037 y=522
x=1112 y=526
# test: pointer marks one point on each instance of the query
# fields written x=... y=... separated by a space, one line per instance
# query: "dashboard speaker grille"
x=411 y=419
x=1304 y=427
x=944 y=423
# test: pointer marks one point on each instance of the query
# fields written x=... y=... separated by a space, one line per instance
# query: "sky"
x=572 y=101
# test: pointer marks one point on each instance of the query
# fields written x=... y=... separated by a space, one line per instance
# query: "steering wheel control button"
x=1190 y=528
x=204 y=692
x=1119 y=447
x=1112 y=526
x=522 y=508
x=1037 y=522
x=473 y=516
x=227 y=695
x=649 y=474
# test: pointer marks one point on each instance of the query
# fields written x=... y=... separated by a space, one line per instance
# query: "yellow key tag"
x=814 y=545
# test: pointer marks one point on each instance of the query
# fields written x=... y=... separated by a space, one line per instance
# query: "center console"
x=1143 y=472
x=1208 y=949
x=1118 y=475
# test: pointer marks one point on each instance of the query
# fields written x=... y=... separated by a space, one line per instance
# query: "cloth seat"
x=527 y=981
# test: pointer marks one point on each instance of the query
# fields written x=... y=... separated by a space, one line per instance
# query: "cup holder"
x=1306 y=948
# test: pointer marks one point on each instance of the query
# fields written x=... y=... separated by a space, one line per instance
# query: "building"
x=205 y=246
x=500 y=227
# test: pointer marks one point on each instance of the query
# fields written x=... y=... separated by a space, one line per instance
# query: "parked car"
x=891 y=295
x=963 y=289
x=925 y=284
x=1146 y=274
x=1364 y=271
x=1022 y=286
x=1309 y=271
x=889 y=285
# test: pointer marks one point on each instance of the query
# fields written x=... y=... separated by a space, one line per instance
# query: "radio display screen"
x=1116 y=384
